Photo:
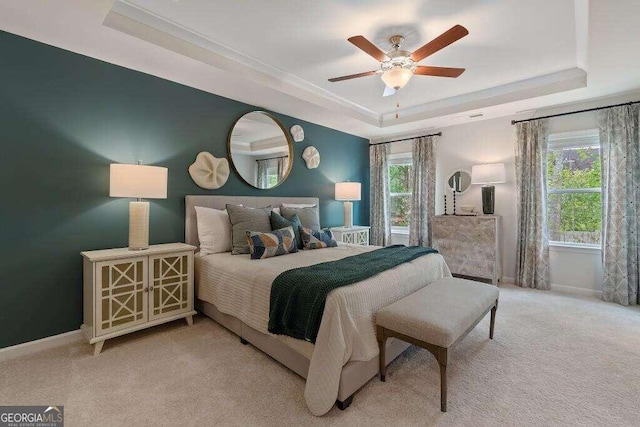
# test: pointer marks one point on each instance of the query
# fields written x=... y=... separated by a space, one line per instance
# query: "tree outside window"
x=574 y=203
x=400 y=188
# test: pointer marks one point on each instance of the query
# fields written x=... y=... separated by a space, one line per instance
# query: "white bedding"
x=241 y=287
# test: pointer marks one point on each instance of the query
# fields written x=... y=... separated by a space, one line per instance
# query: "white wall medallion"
x=208 y=171
x=297 y=133
x=311 y=157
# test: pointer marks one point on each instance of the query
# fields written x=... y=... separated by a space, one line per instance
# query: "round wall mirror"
x=459 y=181
x=260 y=150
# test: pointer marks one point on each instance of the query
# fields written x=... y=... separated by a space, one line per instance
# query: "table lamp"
x=348 y=192
x=493 y=173
x=149 y=182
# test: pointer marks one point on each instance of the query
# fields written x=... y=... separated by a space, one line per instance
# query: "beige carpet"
x=555 y=360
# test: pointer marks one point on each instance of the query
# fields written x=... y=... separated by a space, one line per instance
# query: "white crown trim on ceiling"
x=143 y=24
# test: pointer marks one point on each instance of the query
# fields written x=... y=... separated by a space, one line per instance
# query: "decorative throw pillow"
x=309 y=217
x=317 y=239
x=244 y=219
x=276 y=243
x=214 y=230
x=278 y=221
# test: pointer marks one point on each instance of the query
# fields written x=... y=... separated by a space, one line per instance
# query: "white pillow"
x=298 y=205
x=214 y=230
x=277 y=210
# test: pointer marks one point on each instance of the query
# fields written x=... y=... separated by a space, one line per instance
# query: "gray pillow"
x=309 y=217
x=245 y=219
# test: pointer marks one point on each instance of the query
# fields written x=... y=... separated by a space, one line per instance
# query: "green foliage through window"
x=400 y=188
x=574 y=203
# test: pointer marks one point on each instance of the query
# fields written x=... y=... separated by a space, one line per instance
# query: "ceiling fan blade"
x=365 y=45
x=424 y=70
x=453 y=34
x=388 y=91
x=353 y=76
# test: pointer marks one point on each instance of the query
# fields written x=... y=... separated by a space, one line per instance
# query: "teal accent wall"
x=64 y=118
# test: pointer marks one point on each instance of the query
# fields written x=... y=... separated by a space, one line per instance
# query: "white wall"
x=491 y=141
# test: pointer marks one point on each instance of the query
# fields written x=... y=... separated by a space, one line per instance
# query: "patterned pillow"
x=317 y=239
x=242 y=219
x=278 y=222
x=275 y=243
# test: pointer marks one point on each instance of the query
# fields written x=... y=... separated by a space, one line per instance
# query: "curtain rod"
x=272 y=158
x=513 y=122
x=406 y=139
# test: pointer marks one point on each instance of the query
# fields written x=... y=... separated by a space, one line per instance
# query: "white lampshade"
x=397 y=77
x=492 y=173
x=348 y=190
x=144 y=182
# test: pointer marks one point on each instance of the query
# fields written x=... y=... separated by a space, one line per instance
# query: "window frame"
x=574 y=140
x=395 y=160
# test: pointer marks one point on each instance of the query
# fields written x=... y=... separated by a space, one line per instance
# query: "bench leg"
x=493 y=320
x=382 y=343
x=443 y=387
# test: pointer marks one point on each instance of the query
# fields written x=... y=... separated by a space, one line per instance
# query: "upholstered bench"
x=436 y=318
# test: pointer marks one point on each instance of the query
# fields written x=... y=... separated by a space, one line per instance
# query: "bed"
x=234 y=291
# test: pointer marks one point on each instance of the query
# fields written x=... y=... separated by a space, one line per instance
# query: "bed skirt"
x=355 y=374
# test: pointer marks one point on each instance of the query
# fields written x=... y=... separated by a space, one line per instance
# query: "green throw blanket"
x=298 y=296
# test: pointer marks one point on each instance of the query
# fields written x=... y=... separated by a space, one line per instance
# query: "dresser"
x=125 y=291
x=358 y=234
x=470 y=244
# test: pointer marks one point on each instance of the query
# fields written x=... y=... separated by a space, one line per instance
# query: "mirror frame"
x=454 y=172
x=286 y=135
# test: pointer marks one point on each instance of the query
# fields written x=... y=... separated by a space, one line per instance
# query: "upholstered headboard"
x=220 y=202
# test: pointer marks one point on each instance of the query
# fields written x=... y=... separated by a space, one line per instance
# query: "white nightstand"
x=358 y=234
x=125 y=291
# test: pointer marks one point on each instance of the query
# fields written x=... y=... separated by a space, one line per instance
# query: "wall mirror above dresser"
x=459 y=180
x=260 y=150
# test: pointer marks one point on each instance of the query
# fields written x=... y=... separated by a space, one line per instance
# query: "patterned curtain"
x=423 y=207
x=262 y=179
x=380 y=219
x=620 y=143
x=532 y=253
x=282 y=167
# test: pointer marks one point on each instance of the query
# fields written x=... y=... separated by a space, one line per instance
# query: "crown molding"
x=150 y=27
x=146 y=25
x=547 y=84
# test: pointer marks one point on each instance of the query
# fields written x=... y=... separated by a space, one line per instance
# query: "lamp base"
x=138 y=226
x=348 y=214
x=488 y=199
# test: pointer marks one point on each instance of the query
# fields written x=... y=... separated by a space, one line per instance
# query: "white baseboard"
x=36 y=346
x=562 y=288
x=576 y=291
x=508 y=280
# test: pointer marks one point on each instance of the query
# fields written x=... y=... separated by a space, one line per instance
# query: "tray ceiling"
x=519 y=55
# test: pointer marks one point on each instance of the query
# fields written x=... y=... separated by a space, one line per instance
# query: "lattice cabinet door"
x=170 y=284
x=362 y=237
x=348 y=237
x=121 y=294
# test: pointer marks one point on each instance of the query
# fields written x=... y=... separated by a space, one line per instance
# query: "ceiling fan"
x=398 y=66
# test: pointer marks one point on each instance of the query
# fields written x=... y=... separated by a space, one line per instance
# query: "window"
x=574 y=203
x=400 y=188
x=272 y=176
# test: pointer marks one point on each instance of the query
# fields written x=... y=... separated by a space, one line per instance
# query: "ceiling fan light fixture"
x=397 y=77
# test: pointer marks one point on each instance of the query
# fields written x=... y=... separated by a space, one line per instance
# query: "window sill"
x=400 y=231
x=574 y=247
